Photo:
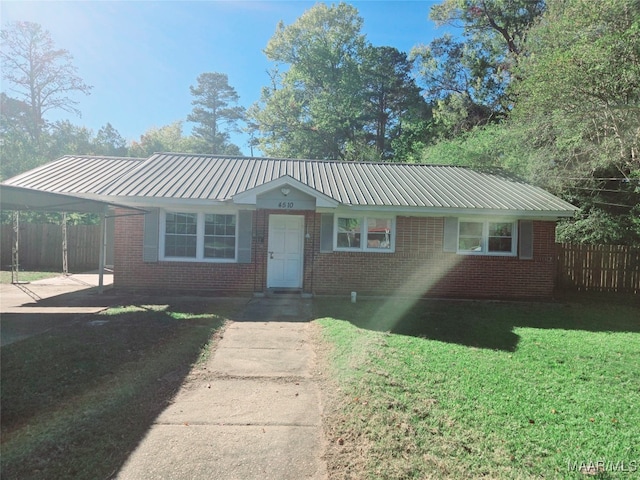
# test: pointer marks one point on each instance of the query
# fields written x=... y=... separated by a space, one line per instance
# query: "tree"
x=391 y=98
x=40 y=75
x=65 y=138
x=578 y=111
x=168 y=138
x=108 y=141
x=467 y=78
x=509 y=19
x=17 y=150
x=313 y=109
x=213 y=100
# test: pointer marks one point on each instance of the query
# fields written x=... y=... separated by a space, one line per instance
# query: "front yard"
x=78 y=398
x=434 y=389
x=482 y=390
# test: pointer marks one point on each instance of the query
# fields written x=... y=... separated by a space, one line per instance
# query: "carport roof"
x=19 y=198
x=75 y=174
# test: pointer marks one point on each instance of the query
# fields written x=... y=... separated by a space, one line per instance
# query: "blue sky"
x=141 y=57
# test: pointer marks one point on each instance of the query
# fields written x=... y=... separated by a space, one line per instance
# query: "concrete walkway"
x=253 y=413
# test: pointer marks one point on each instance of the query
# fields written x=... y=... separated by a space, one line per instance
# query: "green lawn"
x=478 y=389
x=5 y=276
x=78 y=398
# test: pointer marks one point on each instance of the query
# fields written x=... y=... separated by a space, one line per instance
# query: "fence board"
x=41 y=246
x=602 y=268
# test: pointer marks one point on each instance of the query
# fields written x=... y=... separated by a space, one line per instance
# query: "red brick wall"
x=130 y=272
x=418 y=266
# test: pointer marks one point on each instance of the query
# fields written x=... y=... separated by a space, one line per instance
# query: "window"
x=379 y=233
x=487 y=237
x=364 y=233
x=180 y=235
x=198 y=236
x=219 y=236
x=349 y=232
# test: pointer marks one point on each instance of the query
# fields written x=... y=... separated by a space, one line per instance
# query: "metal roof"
x=209 y=177
x=220 y=178
x=75 y=174
x=20 y=198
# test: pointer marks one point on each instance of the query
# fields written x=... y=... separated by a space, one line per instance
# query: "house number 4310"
x=285 y=205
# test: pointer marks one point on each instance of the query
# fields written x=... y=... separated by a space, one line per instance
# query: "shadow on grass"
x=483 y=324
x=78 y=398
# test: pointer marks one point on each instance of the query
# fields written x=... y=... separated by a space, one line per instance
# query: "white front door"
x=285 y=251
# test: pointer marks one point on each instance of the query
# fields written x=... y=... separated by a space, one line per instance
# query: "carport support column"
x=15 y=248
x=65 y=265
x=103 y=250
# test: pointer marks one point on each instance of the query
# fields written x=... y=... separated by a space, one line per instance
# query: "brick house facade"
x=245 y=225
x=417 y=267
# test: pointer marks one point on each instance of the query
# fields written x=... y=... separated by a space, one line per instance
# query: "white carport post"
x=103 y=249
x=65 y=263
x=15 y=248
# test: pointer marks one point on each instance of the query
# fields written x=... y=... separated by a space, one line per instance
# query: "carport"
x=19 y=199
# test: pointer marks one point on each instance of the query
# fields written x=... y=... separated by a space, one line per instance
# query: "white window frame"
x=200 y=216
x=484 y=251
x=364 y=233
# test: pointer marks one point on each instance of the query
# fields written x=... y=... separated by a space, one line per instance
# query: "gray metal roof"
x=208 y=177
x=218 y=178
x=20 y=198
x=75 y=174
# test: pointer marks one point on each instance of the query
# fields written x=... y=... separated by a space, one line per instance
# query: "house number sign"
x=286 y=205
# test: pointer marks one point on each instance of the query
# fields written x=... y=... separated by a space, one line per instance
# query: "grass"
x=477 y=389
x=5 y=276
x=76 y=400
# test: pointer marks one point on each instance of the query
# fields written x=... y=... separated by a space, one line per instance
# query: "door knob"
x=271 y=255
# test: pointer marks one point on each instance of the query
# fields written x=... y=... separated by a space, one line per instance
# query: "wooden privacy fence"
x=41 y=246
x=602 y=268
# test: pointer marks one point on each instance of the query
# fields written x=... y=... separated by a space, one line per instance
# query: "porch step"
x=283 y=292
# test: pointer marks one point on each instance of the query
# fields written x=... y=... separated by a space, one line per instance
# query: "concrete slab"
x=33 y=308
x=258 y=335
x=227 y=452
x=291 y=309
x=246 y=402
x=27 y=310
x=73 y=291
x=240 y=362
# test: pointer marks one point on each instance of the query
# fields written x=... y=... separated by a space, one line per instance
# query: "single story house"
x=240 y=225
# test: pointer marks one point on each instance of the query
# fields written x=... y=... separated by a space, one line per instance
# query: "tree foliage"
x=467 y=77
x=168 y=138
x=214 y=107
x=578 y=110
x=311 y=109
x=332 y=95
x=40 y=75
x=108 y=141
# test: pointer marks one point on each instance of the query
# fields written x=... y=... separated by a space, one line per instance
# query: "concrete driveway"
x=32 y=308
x=253 y=412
